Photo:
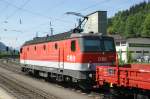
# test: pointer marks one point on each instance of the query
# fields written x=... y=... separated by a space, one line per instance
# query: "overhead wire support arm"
x=78 y=28
x=76 y=14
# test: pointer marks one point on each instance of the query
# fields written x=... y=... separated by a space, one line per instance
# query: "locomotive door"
x=61 y=59
x=24 y=57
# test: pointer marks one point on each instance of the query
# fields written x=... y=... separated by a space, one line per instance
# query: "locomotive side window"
x=56 y=46
x=73 y=45
x=28 y=48
x=35 y=48
x=44 y=47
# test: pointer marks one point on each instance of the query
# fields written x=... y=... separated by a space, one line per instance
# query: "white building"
x=96 y=23
x=136 y=46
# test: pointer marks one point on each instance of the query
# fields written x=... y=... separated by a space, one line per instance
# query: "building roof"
x=118 y=37
x=95 y=12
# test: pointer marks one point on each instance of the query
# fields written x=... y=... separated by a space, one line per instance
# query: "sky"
x=21 y=20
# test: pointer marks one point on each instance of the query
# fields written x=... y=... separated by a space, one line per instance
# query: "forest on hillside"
x=134 y=22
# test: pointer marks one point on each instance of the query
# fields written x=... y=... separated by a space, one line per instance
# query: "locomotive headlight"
x=91 y=66
x=88 y=66
x=90 y=75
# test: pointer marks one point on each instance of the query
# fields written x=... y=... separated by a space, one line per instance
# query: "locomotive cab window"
x=109 y=45
x=92 y=45
x=73 y=45
x=96 y=44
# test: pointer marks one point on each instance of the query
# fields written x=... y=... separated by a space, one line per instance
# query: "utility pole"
x=79 y=23
x=75 y=25
x=51 y=29
x=36 y=34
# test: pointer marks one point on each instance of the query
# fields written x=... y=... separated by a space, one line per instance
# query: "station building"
x=135 y=46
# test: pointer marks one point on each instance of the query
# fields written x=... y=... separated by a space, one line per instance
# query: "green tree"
x=133 y=22
x=129 y=56
x=139 y=19
x=130 y=23
x=146 y=27
x=110 y=30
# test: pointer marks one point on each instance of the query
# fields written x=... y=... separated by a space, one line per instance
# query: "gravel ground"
x=5 y=95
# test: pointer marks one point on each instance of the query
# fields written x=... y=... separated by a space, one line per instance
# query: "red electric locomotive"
x=68 y=56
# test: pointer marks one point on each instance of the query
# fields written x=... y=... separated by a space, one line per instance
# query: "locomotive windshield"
x=108 y=45
x=92 y=45
x=97 y=44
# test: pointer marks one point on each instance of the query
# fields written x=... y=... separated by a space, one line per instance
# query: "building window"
x=56 y=46
x=138 y=51
x=123 y=43
x=73 y=45
x=145 y=51
x=44 y=47
x=132 y=51
x=138 y=45
x=117 y=43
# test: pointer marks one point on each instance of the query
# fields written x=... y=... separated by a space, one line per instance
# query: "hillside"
x=134 y=22
x=8 y=52
x=2 y=46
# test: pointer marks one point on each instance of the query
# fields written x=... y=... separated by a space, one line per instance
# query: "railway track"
x=21 y=90
x=11 y=66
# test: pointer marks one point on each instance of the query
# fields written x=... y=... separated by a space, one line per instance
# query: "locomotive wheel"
x=23 y=69
x=139 y=96
x=52 y=77
x=111 y=94
x=36 y=73
x=85 y=85
x=67 y=81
